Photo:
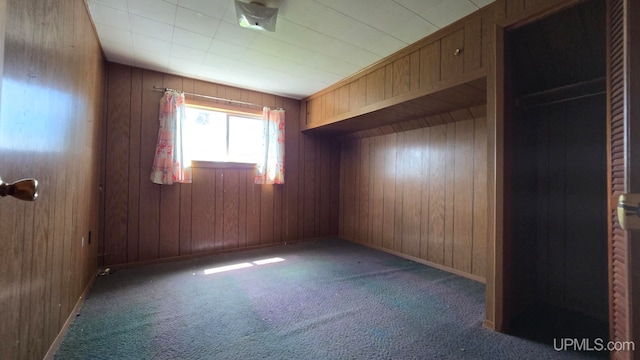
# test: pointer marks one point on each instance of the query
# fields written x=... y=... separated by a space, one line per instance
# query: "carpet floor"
x=324 y=299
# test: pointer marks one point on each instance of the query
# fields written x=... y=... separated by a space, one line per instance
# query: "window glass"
x=245 y=139
x=217 y=136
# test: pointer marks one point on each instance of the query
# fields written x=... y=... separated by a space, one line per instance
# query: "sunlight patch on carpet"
x=243 y=265
x=268 y=261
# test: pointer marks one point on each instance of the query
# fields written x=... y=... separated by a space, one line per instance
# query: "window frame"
x=237 y=111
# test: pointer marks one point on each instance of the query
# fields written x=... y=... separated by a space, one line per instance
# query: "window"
x=211 y=135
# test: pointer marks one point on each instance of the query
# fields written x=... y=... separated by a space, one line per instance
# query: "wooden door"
x=623 y=71
x=3 y=16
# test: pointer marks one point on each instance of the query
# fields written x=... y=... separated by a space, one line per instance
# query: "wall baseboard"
x=208 y=253
x=489 y=325
x=63 y=331
x=422 y=261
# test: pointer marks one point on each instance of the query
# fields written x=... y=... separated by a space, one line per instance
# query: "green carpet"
x=327 y=299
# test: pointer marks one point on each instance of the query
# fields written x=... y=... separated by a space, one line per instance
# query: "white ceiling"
x=316 y=43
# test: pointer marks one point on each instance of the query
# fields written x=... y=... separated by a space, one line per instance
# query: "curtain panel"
x=169 y=164
x=270 y=169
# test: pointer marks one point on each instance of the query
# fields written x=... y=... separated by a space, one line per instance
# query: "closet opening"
x=556 y=176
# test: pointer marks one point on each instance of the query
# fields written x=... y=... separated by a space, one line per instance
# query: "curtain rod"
x=209 y=97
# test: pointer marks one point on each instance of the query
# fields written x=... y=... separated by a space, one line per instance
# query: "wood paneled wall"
x=421 y=193
x=452 y=56
x=509 y=12
x=222 y=209
x=51 y=119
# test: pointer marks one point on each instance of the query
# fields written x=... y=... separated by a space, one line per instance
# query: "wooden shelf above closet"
x=464 y=91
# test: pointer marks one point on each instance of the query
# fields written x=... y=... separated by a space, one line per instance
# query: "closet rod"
x=563 y=93
x=209 y=97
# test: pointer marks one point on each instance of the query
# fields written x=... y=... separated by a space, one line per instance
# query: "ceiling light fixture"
x=258 y=15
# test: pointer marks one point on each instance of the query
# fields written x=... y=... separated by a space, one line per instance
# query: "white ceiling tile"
x=183 y=67
x=112 y=34
x=399 y=22
x=187 y=53
x=420 y=6
x=295 y=34
x=109 y=16
x=191 y=39
x=317 y=17
x=361 y=35
x=153 y=9
x=214 y=8
x=196 y=22
x=446 y=13
x=116 y=4
x=334 y=65
x=385 y=45
x=334 y=24
x=118 y=49
x=387 y=16
x=151 y=58
x=316 y=43
x=266 y=60
x=218 y=74
x=220 y=62
x=151 y=28
x=440 y=12
x=230 y=14
x=275 y=47
x=235 y=34
x=351 y=54
x=115 y=57
x=227 y=49
x=152 y=66
x=359 y=10
x=482 y=3
x=147 y=43
x=279 y=64
x=413 y=29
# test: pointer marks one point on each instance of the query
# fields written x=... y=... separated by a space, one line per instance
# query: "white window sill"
x=222 y=165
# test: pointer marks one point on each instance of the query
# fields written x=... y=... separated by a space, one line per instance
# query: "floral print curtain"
x=169 y=164
x=270 y=169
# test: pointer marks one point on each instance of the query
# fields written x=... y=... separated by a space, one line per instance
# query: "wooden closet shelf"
x=464 y=92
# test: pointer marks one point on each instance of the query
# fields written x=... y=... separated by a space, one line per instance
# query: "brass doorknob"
x=25 y=189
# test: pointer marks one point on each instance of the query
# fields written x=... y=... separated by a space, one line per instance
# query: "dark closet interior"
x=555 y=175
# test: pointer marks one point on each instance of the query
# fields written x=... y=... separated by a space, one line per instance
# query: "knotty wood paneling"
x=53 y=78
x=222 y=209
x=428 y=189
